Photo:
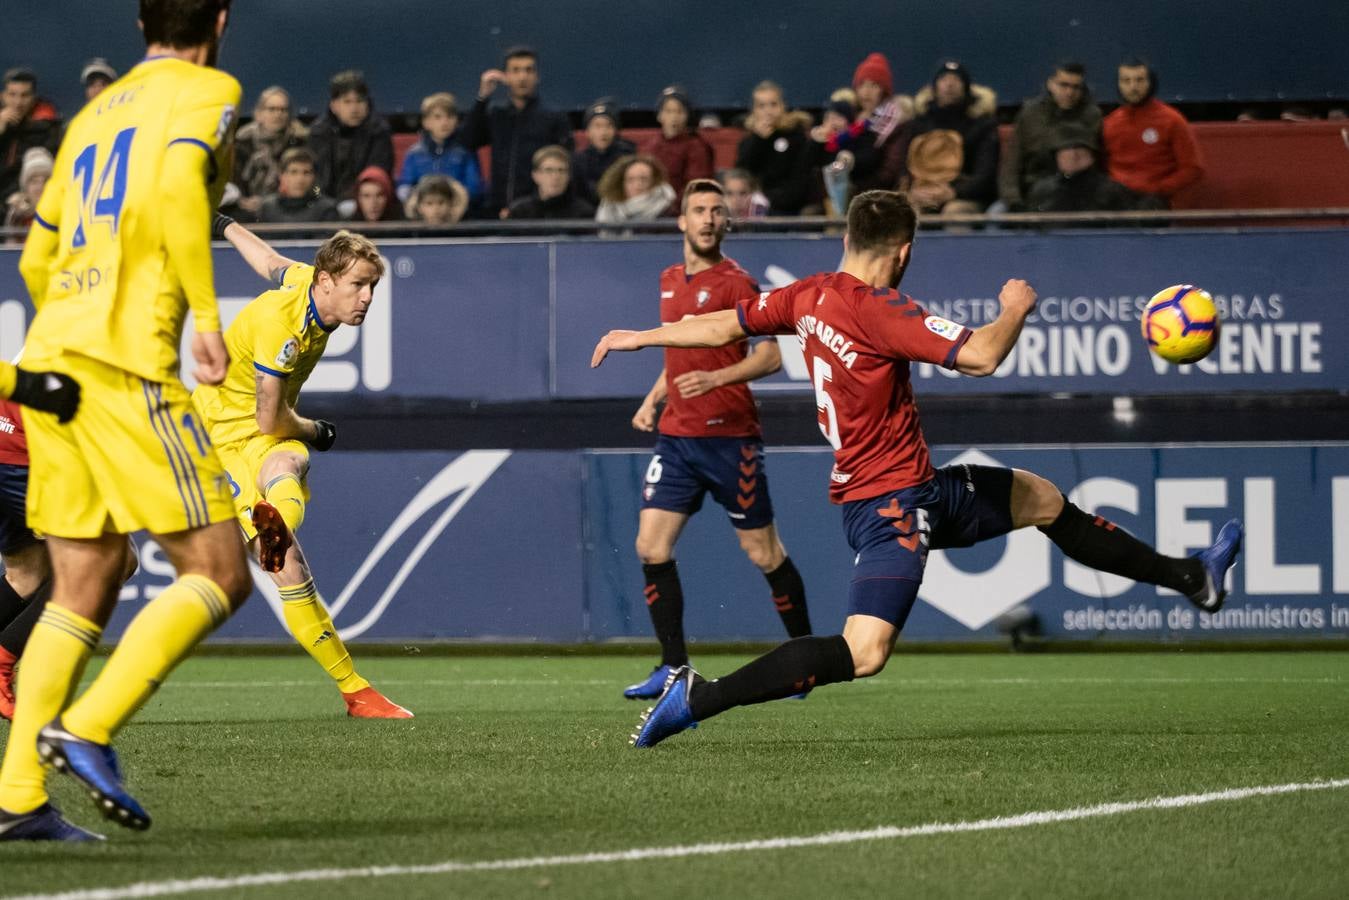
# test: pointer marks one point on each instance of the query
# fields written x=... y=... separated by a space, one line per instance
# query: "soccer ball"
x=1180 y=324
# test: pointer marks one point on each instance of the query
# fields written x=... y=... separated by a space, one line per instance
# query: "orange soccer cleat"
x=273 y=536
x=7 y=661
x=368 y=703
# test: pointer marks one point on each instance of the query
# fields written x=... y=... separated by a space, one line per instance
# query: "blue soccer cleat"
x=1217 y=560
x=654 y=684
x=671 y=714
x=96 y=767
x=42 y=824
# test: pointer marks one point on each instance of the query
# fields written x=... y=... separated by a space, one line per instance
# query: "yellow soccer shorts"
x=136 y=456
x=243 y=461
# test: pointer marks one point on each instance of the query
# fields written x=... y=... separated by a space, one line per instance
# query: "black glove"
x=49 y=392
x=218 y=226
x=325 y=435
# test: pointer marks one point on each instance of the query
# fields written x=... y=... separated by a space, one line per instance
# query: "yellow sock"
x=52 y=664
x=287 y=494
x=308 y=620
x=160 y=637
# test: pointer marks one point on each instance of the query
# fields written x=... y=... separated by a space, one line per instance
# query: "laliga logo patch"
x=703 y=296
x=943 y=327
x=226 y=120
x=289 y=350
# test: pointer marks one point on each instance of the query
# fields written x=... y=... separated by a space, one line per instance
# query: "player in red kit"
x=709 y=438
x=859 y=336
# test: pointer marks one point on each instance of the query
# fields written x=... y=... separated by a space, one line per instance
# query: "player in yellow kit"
x=273 y=345
x=118 y=254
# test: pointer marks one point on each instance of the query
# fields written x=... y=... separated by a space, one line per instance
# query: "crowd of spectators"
x=941 y=145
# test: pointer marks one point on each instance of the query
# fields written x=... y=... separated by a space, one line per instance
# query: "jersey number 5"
x=825 y=404
x=101 y=201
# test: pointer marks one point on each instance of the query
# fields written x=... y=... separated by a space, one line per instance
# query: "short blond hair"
x=339 y=252
x=443 y=101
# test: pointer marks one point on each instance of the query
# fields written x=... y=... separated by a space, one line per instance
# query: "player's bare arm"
x=763 y=360
x=260 y=255
x=275 y=416
x=712 y=330
x=645 y=417
x=988 y=346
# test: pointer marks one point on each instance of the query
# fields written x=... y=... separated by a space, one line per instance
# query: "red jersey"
x=858 y=342
x=1150 y=149
x=727 y=411
x=13 y=444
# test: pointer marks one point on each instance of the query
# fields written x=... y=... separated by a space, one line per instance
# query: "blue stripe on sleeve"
x=261 y=368
x=197 y=142
x=44 y=223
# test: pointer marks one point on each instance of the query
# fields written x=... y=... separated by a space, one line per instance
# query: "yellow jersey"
x=120 y=246
x=278 y=334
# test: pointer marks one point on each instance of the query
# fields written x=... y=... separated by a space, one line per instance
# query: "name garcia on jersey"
x=838 y=343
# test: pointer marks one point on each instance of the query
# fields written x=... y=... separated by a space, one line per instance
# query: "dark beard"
x=711 y=255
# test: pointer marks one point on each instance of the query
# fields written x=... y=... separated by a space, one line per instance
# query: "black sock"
x=14 y=637
x=665 y=602
x=793 y=667
x=1101 y=544
x=789 y=596
x=11 y=604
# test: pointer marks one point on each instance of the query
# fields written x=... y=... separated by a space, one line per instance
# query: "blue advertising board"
x=517 y=320
x=539 y=546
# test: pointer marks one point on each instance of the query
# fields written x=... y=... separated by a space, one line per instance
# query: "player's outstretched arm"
x=988 y=346
x=277 y=418
x=763 y=360
x=260 y=255
x=712 y=330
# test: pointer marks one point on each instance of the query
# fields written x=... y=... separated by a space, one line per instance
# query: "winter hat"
x=675 y=92
x=953 y=67
x=1076 y=136
x=606 y=107
x=35 y=160
x=875 y=68
x=100 y=67
x=379 y=177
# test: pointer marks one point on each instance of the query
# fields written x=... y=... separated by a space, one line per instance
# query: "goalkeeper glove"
x=218 y=226
x=48 y=392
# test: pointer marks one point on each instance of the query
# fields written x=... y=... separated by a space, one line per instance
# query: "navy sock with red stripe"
x=790 y=668
x=665 y=603
x=1101 y=544
x=789 y=596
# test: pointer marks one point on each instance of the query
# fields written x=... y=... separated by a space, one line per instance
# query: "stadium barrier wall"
x=537 y=546
x=517 y=319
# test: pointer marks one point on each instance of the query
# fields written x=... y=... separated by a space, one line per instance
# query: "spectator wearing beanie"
x=21 y=206
x=880 y=147
x=375 y=199
x=777 y=150
x=349 y=136
x=680 y=149
x=603 y=149
x=1078 y=184
x=96 y=75
x=952 y=160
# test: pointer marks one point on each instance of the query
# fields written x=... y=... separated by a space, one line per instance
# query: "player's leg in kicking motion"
x=892 y=544
x=276 y=519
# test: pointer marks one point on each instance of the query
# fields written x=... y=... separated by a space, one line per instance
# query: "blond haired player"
x=119 y=252
x=273 y=345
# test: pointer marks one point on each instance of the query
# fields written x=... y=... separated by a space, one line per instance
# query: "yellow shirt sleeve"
x=195 y=169
x=275 y=347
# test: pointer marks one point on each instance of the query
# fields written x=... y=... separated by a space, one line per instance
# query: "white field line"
x=895 y=681
x=831 y=838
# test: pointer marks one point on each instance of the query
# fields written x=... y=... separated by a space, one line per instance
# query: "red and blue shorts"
x=683 y=470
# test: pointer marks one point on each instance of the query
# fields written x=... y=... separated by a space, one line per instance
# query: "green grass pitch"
x=248 y=766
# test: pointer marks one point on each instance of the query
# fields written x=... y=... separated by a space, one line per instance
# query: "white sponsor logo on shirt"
x=763 y=301
x=943 y=327
x=666 y=295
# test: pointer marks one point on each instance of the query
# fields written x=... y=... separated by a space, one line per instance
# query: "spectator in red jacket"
x=680 y=149
x=25 y=122
x=1149 y=146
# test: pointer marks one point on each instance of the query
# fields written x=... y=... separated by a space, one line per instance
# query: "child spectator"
x=25 y=121
x=682 y=151
x=438 y=200
x=744 y=200
x=375 y=201
x=297 y=199
x=552 y=197
x=349 y=136
x=21 y=206
x=259 y=145
x=777 y=150
x=603 y=148
x=440 y=151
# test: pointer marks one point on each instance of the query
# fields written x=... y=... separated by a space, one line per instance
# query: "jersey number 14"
x=101 y=199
